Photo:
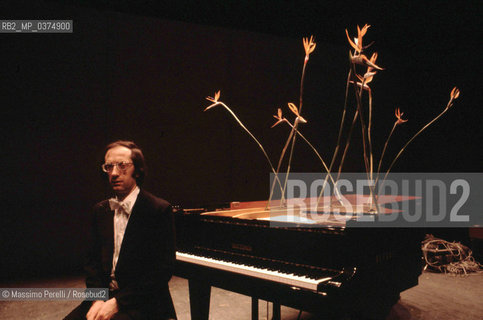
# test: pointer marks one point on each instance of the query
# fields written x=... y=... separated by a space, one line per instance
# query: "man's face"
x=122 y=181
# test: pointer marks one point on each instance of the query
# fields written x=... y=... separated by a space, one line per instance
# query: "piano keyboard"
x=297 y=280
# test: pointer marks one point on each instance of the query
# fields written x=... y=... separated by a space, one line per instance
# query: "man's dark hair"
x=137 y=158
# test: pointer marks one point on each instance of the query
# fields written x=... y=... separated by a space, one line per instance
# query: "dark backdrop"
x=140 y=72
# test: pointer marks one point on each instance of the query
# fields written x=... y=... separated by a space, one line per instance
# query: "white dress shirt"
x=122 y=212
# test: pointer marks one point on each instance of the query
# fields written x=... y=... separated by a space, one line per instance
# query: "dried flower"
x=399 y=114
x=362 y=60
x=278 y=117
x=373 y=61
x=358 y=57
x=215 y=99
x=309 y=45
x=369 y=75
x=294 y=109
x=362 y=32
x=455 y=93
x=362 y=83
x=357 y=43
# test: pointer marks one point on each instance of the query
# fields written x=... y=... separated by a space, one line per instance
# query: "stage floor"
x=437 y=296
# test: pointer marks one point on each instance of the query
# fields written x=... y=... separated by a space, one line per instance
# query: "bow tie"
x=116 y=204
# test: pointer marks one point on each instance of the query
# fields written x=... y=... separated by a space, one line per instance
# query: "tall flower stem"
x=294 y=138
x=282 y=155
x=359 y=58
x=369 y=126
x=309 y=46
x=384 y=150
x=346 y=148
x=358 y=94
x=399 y=120
x=339 y=137
x=290 y=157
x=347 y=144
x=342 y=120
x=371 y=165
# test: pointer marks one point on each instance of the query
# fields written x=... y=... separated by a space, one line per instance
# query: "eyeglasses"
x=122 y=166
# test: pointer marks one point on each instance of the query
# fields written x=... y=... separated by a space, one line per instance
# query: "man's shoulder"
x=153 y=200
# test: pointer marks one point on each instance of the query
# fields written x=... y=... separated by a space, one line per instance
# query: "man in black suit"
x=132 y=245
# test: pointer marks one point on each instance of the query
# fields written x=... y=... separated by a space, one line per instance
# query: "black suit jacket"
x=146 y=258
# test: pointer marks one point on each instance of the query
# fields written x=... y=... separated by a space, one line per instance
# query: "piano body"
x=327 y=268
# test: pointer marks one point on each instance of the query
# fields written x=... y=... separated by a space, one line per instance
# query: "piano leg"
x=254 y=308
x=276 y=311
x=199 y=293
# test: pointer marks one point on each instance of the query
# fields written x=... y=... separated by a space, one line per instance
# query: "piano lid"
x=328 y=213
x=299 y=215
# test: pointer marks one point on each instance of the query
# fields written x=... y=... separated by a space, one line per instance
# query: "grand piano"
x=328 y=267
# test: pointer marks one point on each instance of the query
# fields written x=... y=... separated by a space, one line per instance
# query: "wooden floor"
x=437 y=296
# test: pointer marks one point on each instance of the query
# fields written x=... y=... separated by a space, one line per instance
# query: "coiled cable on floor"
x=448 y=257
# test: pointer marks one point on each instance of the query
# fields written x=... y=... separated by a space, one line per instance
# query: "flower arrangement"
x=361 y=73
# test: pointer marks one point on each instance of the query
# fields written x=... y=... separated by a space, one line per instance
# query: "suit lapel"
x=110 y=225
x=134 y=217
x=108 y=230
